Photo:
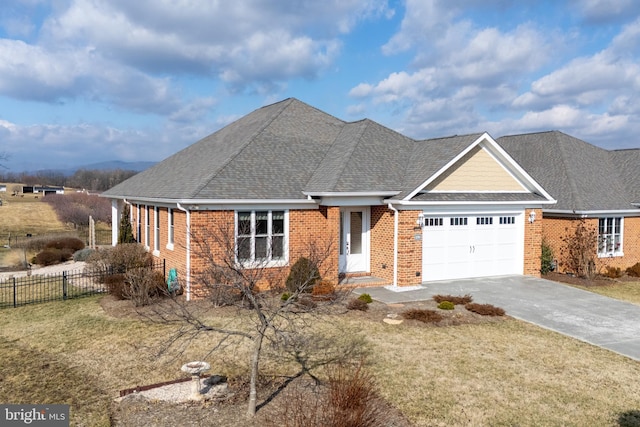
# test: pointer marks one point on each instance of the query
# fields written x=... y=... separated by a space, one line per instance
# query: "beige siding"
x=476 y=171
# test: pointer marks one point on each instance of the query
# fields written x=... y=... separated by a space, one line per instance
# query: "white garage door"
x=472 y=245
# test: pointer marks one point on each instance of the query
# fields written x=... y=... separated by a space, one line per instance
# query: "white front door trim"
x=355 y=239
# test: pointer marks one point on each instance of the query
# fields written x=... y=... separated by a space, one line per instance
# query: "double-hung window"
x=261 y=237
x=169 y=228
x=147 y=236
x=610 y=236
x=156 y=229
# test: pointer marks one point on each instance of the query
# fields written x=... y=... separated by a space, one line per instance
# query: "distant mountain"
x=117 y=164
x=102 y=166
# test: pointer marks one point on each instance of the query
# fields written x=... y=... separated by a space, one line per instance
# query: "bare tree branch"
x=283 y=329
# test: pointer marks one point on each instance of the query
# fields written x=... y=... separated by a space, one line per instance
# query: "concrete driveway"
x=602 y=321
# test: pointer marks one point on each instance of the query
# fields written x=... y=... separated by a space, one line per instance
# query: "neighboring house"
x=598 y=186
x=3 y=188
x=392 y=208
x=46 y=190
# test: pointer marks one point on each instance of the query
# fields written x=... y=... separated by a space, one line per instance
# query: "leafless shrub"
x=485 y=309
x=457 y=300
x=425 y=316
x=579 y=250
x=143 y=284
x=348 y=400
x=357 y=304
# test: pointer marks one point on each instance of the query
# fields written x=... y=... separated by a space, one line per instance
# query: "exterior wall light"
x=532 y=217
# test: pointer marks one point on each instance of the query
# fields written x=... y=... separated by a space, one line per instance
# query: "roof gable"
x=478 y=170
x=485 y=160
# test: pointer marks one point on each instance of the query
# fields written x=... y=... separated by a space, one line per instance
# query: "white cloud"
x=604 y=11
x=62 y=146
x=241 y=40
x=33 y=73
x=461 y=70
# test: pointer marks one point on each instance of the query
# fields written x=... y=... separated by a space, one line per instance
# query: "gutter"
x=593 y=213
x=395 y=244
x=188 y=267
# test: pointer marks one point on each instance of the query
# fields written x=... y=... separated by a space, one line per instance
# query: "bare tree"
x=284 y=324
x=3 y=158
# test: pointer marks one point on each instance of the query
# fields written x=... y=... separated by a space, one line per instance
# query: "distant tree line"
x=86 y=179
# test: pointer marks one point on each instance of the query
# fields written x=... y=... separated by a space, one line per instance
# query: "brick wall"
x=554 y=229
x=316 y=231
x=532 y=243
x=382 y=242
x=409 y=249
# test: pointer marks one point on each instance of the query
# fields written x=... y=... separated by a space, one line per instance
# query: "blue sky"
x=85 y=81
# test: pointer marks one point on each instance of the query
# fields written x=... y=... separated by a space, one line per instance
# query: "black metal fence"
x=24 y=288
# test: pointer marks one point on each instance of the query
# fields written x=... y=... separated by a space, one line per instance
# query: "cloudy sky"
x=84 y=81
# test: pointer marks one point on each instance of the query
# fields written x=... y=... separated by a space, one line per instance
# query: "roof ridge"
x=286 y=103
x=352 y=148
x=569 y=176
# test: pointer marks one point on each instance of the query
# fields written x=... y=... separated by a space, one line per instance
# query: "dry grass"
x=21 y=215
x=500 y=373
x=625 y=291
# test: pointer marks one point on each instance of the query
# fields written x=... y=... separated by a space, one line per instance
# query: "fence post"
x=15 y=297
x=64 y=285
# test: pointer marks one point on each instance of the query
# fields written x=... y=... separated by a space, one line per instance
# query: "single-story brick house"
x=601 y=187
x=396 y=209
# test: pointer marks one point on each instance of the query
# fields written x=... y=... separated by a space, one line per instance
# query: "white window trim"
x=138 y=225
x=615 y=253
x=156 y=231
x=170 y=229
x=270 y=263
x=147 y=221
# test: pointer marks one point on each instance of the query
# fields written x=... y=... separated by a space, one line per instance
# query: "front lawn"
x=624 y=290
x=489 y=373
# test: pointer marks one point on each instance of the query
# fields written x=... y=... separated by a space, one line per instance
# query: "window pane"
x=277 y=248
x=277 y=222
x=261 y=248
x=617 y=225
x=244 y=248
x=262 y=220
x=356 y=232
x=244 y=223
x=341 y=233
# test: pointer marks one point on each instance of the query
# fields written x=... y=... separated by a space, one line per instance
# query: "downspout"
x=395 y=244
x=188 y=267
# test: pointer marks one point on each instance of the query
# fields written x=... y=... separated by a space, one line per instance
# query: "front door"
x=354 y=239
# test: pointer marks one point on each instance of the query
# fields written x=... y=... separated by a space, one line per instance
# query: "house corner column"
x=409 y=249
x=115 y=221
x=532 y=242
x=333 y=231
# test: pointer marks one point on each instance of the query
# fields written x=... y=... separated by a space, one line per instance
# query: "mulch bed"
x=580 y=281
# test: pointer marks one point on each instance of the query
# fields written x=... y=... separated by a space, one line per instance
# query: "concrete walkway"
x=599 y=320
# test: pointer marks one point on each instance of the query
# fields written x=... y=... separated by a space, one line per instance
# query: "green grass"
x=499 y=373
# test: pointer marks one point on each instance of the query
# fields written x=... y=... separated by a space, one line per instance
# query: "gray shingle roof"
x=627 y=163
x=581 y=176
x=288 y=149
x=268 y=154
